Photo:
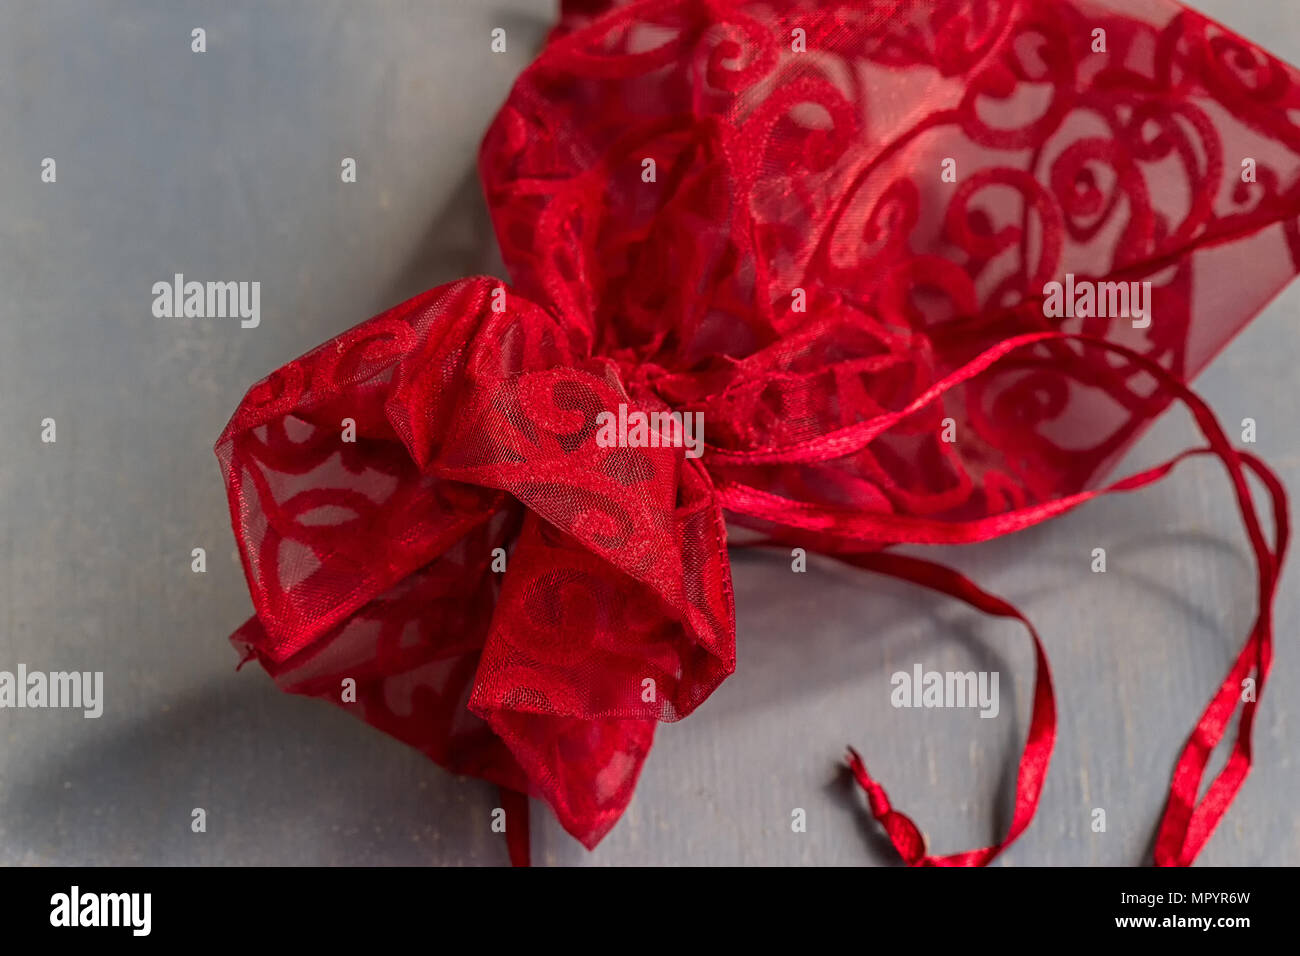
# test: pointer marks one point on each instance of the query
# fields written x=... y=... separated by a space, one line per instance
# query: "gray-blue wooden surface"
x=225 y=165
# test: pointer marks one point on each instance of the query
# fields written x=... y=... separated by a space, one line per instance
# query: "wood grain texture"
x=225 y=166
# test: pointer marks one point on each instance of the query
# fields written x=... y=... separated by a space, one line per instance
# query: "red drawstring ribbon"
x=515 y=805
x=1185 y=826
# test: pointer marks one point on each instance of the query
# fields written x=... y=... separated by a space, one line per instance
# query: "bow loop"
x=428 y=509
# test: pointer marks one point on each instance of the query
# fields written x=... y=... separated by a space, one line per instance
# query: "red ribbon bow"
x=742 y=211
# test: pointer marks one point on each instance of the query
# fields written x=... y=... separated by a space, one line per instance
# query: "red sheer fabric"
x=840 y=256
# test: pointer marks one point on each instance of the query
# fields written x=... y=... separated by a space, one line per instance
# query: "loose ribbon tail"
x=1185 y=826
x=518 y=842
x=1037 y=755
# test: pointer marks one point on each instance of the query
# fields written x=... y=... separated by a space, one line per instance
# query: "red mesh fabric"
x=799 y=272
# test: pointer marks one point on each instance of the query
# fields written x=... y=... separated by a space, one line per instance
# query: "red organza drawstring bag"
x=923 y=270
